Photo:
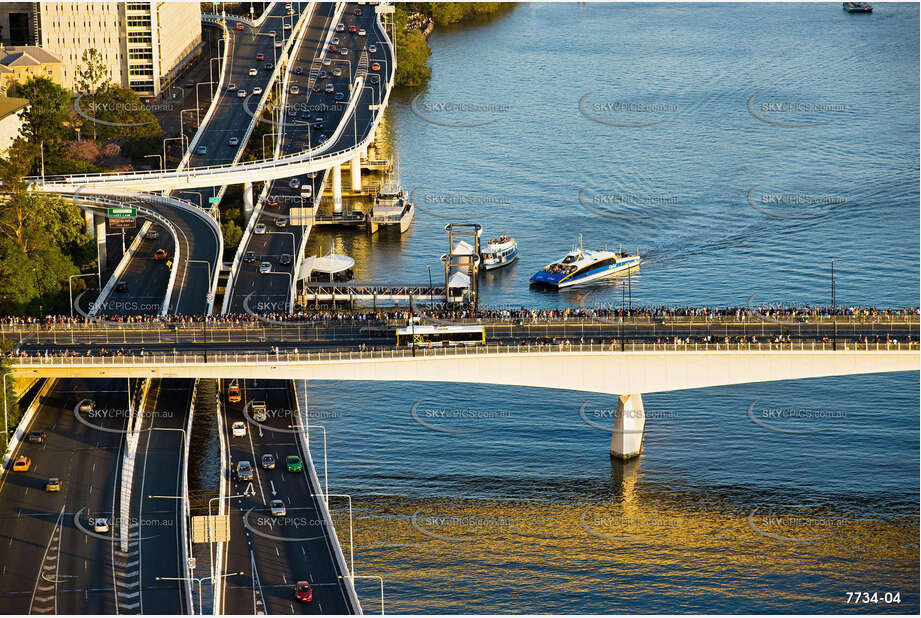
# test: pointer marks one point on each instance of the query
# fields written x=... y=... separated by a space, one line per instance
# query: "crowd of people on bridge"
x=522 y=314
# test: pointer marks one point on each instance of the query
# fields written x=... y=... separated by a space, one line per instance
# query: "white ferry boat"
x=581 y=266
x=500 y=252
x=391 y=209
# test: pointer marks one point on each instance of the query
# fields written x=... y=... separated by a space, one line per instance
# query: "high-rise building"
x=144 y=45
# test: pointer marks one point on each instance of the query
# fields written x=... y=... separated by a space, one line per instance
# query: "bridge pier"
x=629 y=427
x=355 y=167
x=102 y=252
x=247 y=199
x=337 y=188
x=88 y=218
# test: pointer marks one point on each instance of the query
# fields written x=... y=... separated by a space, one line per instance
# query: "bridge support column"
x=337 y=188
x=102 y=252
x=247 y=199
x=355 y=167
x=629 y=427
x=90 y=227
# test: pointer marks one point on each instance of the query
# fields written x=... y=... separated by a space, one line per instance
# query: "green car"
x=294 y=463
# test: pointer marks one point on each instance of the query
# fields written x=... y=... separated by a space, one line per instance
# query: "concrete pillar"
x=337 y=188
x=101 y=248
x=90 y=227
x=355 y=166
x=629 y=427
x=247 y=199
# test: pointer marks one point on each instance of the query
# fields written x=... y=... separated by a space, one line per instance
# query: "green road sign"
x=117 y=213
x=214 y=200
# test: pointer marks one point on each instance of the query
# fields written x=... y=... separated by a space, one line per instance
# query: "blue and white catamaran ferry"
x=584 y=266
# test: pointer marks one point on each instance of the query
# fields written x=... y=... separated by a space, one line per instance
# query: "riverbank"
x=416 y=21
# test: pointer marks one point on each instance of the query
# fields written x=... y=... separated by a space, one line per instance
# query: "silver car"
x=278 y=508
x=265 y=268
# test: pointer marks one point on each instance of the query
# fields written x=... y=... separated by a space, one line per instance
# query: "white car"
x=231 y=87
x=259 y=229
x=294 y=89
x=233 y=141
x=253 y=72
x=278 y=43
x=257 y=90
x=372 y=49
x=329 y=88
x=327 y=62
x=241 y=94
x=265 y=268
x=287 y=25
x=153 y=235
x=361 y=32
x=278 y=508
x=100 y=524
x=238 y=429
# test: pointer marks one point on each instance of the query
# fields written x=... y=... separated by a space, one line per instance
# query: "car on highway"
x=294 y=89
x=358 y=11
x=233 y=392
x=53 y=484
x=231 y=87
x=289 y=11
x=353 y=29
x=100 y=524
x=87 y=405
x=278 y=508
x=265 y=268
x=339 y=96
x=305 y=115
x=203 y=150
x=271 y=33
x=121 y=286
x=259 y=229
x=332 y=47
x=362 y=32
x=287 y=26
x=281 y=222
x=374 y=79
x=268 y=461
x=258 y=410
x=260 y=57
x=337 y=72
x=152 y=235
x=322 y=75
x=278 y=43
x=284 y=259
x=238 y=429
x=253 y=71
x=334 y=40
x=37 y=437
x=298 y=71
x=22 y=464
x=293 y=463
x=249 y=257
x=160 y=255
x=327 y=62
x=376 y=66
x=233 y=141
x=340 y=27
x=257 y=90
x=344 y=51
x=268 y=66
x=323 y=137
x=303 y=592
x=241 y=93
x=372 y=49
x=239 y=26
x=306 y=191
x=294 y=183
x=316 y=87
x=317 y=120
x=329 y=88
x=244 y=471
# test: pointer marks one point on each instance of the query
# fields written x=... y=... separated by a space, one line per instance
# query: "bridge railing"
x=351 y=354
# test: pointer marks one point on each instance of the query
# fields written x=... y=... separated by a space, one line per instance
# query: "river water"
x=740 y=148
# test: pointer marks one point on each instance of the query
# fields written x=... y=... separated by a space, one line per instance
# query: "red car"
x=353 y=29
x=260 y=57
x=239 y=26
x=303 y=592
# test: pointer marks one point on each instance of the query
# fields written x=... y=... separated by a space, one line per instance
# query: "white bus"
x=428 y=336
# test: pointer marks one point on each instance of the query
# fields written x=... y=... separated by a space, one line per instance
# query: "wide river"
x=740 y=148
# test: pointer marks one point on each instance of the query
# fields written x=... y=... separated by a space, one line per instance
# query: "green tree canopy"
x=47 y=116
x=119 y=113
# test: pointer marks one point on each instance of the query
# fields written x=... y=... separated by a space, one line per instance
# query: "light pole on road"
x=199 y=580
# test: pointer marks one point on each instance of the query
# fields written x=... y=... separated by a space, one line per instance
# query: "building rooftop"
x=26 y=55
x=11 y=105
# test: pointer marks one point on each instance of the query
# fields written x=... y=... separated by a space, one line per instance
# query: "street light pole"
x=70 y=285
x=199 y=580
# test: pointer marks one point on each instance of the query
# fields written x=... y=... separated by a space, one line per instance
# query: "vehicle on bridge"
x=434 y=336
x=53 y=484
x=259 y=411
x=278 y=508
x=160 y=255
x=37 y=437
x=268 y=461
x=22 y=464
x=238 y=429
x=303 y=592
x=244 y=471
x=239 y=26
x=293 y=463
x=100 y=524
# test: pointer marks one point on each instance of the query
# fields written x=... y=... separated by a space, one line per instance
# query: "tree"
x=413 y=52
x=122 y=115
x=92 y=76
x=232 y=235
x=45 y=117
x=12 y=402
